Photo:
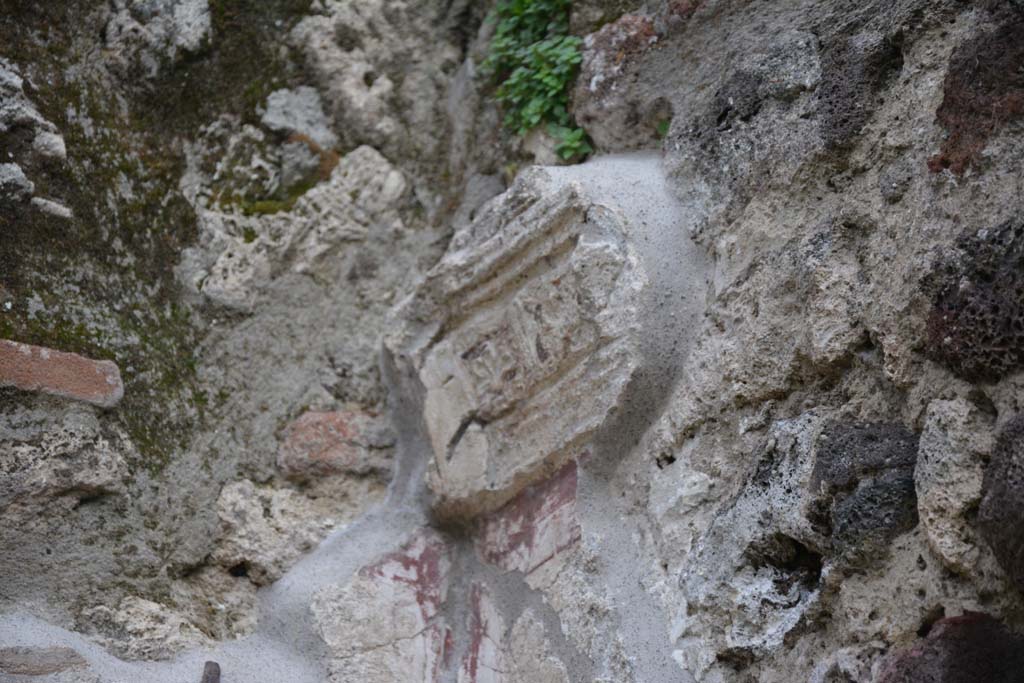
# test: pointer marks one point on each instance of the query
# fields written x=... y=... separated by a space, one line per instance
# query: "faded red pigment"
x=421 y=569
x=477 y=631
x=535 y=526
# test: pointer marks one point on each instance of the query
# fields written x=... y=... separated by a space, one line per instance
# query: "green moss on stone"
x=105 y=278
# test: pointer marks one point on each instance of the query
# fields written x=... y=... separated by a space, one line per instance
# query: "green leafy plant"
x=572 y=142
x=534 y=60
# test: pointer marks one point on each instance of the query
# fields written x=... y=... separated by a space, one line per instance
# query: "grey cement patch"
x=635 y=185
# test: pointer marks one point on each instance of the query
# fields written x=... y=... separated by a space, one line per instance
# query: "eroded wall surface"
x=310 y=369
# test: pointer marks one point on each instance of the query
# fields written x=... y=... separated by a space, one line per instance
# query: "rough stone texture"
x=321 y=444
x=498 y=654
x=529 y=653
x=52 y=208
x=30 y=140
x=590 y=15
x=826 y=502
x=983 y=91
x=849 y=452
x=68 y=375
x=596 y=104
x=383 y=70
x=972 y=647
x=732 y=144
x=146 y=34
x=27 y=661
x=129 y=116
x=385 y=624
x=265 y=530
x=238 y=253
x=750 y=582
x=725 y=410
x=999 y=516
x=141 y=629
x=73 y=461
x=868 y=470
x=14 y=186
x=217 y=602
x=976 y=320
x=567 y=286
x=948 y=479
x=299 y=111
x=852 y=71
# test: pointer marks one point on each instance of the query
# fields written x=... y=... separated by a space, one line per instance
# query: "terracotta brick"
x=534 y=527
x=344 y=441
x=68 y=375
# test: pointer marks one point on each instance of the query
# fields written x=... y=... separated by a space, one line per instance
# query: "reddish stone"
x=629 y=35
x=534 y=527
x=325 y=443
x=68 y=375
x=449 y=647
x=683 y=9
x=983 y=91
x=968 y=649
x=607 y=101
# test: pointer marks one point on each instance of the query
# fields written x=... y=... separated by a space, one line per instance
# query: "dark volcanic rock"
x=852 y=72
x=864 y=522
x=864 y=475
x=974 y=648
x=848 y=452
x=1001 y=515
x=976 y=326
x=983 y=90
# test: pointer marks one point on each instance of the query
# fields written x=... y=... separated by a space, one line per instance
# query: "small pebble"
x=211 y=673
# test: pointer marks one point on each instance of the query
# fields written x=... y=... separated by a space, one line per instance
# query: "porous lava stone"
x=848 y=452
x=864 y=480
x=976 y=325
x=973 y=648
x=1001 y=515
x=983 y=91
x=853 y=71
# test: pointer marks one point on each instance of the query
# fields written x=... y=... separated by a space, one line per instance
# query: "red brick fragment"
x=68 y=375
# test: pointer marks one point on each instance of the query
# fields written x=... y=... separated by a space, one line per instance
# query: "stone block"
x=68 y=375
